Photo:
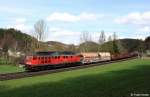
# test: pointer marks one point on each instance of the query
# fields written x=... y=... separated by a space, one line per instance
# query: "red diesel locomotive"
x=42 y=60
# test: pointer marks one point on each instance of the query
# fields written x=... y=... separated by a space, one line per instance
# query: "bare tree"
x=102 y=37
x=85 y=37
x=40 y=29
x=114 y=36
x=109 y=38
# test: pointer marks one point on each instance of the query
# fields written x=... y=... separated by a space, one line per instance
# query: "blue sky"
x=67 y=19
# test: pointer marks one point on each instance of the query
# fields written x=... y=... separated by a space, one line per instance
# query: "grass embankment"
x=115 y=80
x=8 y=67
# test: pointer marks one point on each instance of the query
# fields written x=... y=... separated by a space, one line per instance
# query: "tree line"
x=113 y=44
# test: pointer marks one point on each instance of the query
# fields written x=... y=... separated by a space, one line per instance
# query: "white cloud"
x=63 y=35
x=62 y=32
x=145 y=29
x=135 y=18
x=20 y=20
x=67 y=17
x=62 y=17
x=89 y=16
x=19 y=24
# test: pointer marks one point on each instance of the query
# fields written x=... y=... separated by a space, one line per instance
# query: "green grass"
x=115 y=80
x=10 y=68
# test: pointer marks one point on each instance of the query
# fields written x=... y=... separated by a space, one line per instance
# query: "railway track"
x=18 y=75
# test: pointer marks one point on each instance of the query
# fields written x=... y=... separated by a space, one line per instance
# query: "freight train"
x=49 y=59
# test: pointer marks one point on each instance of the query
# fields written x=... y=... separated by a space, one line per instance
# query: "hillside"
x=16 y=40
x=25 y=43
x=124 y=45
x=89 y=46
x=54 y=45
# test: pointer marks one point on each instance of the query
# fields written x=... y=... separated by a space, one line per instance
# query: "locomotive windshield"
x=66 y=53
x=44 y=53
x=55 y=53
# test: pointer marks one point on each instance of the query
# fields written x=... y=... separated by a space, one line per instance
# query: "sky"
x=67 y=19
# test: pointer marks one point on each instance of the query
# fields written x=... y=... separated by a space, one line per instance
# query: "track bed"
x=17 y=75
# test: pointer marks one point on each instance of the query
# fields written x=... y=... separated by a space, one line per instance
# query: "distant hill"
x=54 y=45
x=15 y=40
x=18 y=41
x=58 y=46
x=89 y=46
x=83 y=47
x=124 y=45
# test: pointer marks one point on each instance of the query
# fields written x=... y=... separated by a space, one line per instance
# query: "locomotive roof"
x=54 y=53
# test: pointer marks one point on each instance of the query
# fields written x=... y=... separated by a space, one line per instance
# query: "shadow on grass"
x=111 y=84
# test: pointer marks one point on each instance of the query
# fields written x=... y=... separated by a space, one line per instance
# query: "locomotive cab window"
x=55 y=57
x=45 y=58
x=34 y=58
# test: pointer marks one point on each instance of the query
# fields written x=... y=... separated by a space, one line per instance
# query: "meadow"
x=113 y=80
x=8 y=67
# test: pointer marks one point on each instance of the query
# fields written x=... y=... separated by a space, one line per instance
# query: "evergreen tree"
x=147 y=43
x=115 y=46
